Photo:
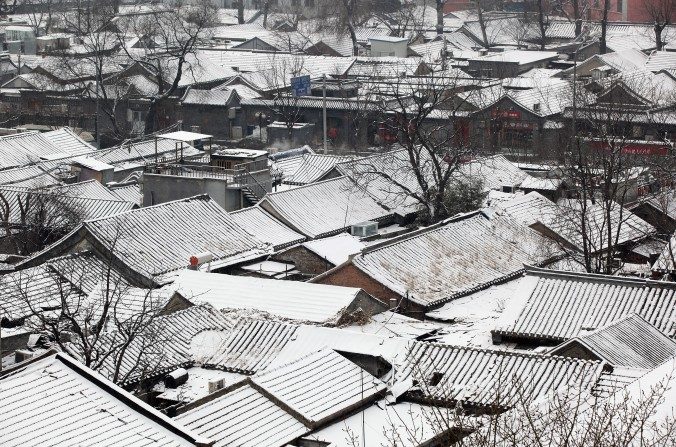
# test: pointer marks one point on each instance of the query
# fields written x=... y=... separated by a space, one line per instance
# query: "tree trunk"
x=603 y=48
x=353 y=37
x=658 y=35
x=240 y=12
x=440 y=17
x=576 y=16
x=482 y=23
x=542 y=25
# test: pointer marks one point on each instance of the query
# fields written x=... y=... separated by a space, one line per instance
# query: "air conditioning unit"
x=364 y=229
x=215 y=385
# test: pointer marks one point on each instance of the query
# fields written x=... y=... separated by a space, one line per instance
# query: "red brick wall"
x=351 y=276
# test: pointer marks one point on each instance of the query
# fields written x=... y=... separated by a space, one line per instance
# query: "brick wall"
x=350 y=276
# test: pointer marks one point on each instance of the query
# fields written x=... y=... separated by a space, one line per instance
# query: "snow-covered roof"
x=254 y=345
x=162 y=238
x=65 y=205
x=323 y=208
x=313 y=168
x=244 y=417
x=335 y=249
x=560 y=305
x=320 y=386
x=31 y=147
x=160 y=347
x=60 y=402
x=492 y=378
x=629 y=341
x=266 y=228
x=520 y=57
x=294 y=300
x=452 y=258
x=381 y=423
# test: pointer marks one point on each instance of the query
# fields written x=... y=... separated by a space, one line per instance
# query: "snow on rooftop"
x=320 y=386
x=335 y=249
x=294 y=300
x=59 y=402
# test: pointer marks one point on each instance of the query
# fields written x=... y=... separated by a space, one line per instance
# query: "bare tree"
x=284 y=106
x=603 y=46
x=425 y=122
x=571 y=417
x=97 y=316
x=346 y=16
x=175 y=33
x=34 y=218
x=660 y=13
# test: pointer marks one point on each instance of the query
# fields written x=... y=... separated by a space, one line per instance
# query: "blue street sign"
x=301 y=85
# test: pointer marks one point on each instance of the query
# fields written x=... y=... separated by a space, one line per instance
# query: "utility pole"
x=326 y=146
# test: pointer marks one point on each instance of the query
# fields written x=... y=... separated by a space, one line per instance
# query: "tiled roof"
x=162 y=346
x=454 y=257
x=629 y=342
x=56 y=401
x=492 y=378
x=666 y=262
x=323 y=208
x=243 y=418
x=64 y=205
x=294 y=300
x=207 y=97
x=31 y=147
x=252 y=346
x=560 y=305
x=32 y=175
x=266 y=228
x=313 y=168
x=162 y=238
x=320 y=386
x=44 y=285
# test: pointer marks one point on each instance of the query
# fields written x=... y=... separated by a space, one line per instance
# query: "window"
x=620 y=5
x=310 y=3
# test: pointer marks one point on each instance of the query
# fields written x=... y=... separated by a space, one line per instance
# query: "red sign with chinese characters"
x=509 y=114
x=635 y=148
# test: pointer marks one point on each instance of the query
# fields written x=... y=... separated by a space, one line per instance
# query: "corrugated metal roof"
x=560 y=304
x=58 y=402
x=629 y=342
x=243 y=418
x=456 y=256
x=323 y=208
x=295 y=300
x=492 y=378
x=165 y=236
x=320 y=386
x=263 y=226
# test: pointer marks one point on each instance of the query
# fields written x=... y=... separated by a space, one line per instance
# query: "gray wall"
x=158 y=188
